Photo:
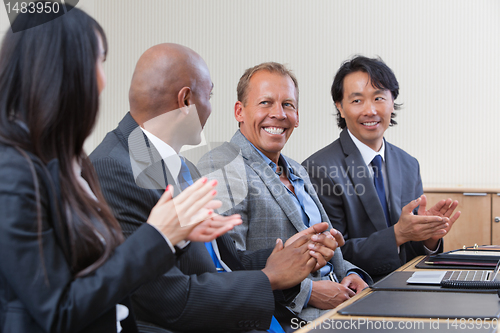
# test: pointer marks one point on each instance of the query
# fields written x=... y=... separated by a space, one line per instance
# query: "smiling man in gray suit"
x=271 y=192
x=370 y=188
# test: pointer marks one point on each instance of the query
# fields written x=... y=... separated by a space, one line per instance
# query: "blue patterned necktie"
x=185 y=180
x=378 y=180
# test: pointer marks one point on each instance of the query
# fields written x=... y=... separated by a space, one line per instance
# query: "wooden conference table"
x=333 y=321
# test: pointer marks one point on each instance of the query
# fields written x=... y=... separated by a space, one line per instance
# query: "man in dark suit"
x=370 y=188
x=169 y=105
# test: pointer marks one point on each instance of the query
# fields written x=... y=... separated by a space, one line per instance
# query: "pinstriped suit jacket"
x=191 y=296
x=267 y=211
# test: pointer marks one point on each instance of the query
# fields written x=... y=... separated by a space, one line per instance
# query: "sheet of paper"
x=426 y=277
x=477 y=253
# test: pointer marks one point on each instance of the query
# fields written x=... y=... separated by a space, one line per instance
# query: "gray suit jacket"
x=251 y=188
x=346 y=190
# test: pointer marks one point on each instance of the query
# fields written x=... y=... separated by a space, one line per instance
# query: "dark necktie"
x=379 y=185
x=185 y=180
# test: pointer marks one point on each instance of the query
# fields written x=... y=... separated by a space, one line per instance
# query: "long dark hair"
x=49 y=102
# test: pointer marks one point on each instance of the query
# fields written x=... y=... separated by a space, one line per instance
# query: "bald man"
x=169 y=105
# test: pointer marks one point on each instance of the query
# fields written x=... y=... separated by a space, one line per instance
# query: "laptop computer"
x=433 y=277
x=456 y=278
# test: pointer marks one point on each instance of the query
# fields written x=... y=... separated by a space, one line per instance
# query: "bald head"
x=165 y=77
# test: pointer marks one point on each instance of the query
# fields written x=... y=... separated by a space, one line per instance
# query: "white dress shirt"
x=368 y=155
x=173 y=164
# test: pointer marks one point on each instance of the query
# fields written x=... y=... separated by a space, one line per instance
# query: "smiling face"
x=269 y=114
x=366 y=109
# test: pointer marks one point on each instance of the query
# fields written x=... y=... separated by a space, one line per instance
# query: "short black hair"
x=381 y=76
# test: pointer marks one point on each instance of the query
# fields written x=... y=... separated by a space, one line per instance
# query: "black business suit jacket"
x=42 y=295
x=346 y=190
x=191 y=296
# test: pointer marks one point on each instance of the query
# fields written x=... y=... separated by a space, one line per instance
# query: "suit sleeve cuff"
x=167 y=240
x=427 y=251
x=302 y=297
x=309 y=295
x=182 y=244
x=358 y=274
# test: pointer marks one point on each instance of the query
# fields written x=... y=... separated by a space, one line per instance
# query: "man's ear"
x=297 y=123
x=184 y=97
x=238 y=111
x=340 y=109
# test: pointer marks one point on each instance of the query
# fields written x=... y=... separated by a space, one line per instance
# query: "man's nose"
x=370 y=109
x=277 y=111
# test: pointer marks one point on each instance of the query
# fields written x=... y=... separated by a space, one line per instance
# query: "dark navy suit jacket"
x=346 y=190
x=191 y=296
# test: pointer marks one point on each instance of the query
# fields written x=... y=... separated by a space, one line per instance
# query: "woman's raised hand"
x=177 y=217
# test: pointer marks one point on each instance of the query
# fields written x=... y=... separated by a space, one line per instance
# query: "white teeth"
x=373 y=123
x=274 y=130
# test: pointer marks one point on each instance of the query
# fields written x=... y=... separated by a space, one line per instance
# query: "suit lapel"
x=228 y=254
x=195 y=173
x=394 y=182
x=268 y=177
x=362 y=182
x=155 y=174
x=147 y=164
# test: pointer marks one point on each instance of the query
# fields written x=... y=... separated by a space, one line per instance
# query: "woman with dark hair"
x=65 y=264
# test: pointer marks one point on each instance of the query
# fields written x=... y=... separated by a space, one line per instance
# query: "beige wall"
x=445 y=54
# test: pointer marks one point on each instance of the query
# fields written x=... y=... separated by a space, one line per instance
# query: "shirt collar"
x=167 y=153
x=366 y=152
x=271 y=163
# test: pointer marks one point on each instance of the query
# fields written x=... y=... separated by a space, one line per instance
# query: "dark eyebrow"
x=380 y=91
x=354 y=94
